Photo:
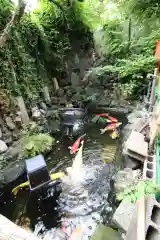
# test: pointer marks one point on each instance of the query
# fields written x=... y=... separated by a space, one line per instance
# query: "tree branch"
x=16 y=17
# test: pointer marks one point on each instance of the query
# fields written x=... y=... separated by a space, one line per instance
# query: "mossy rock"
x=105 y=233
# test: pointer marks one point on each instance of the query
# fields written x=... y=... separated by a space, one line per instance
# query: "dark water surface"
x=84 y=202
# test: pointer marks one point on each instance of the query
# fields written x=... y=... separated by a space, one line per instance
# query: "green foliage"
x=128 y=43
x=137 y=190
x=37 y=47
x=36 y=144
x=125 y=33
x=141 y=8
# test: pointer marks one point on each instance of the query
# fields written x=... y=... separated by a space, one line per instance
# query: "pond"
x=68 y=205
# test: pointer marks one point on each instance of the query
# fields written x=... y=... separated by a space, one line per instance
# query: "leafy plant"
x=138 y=189
x=35 y=144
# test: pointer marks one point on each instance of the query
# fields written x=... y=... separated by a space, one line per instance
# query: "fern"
x=35 y=144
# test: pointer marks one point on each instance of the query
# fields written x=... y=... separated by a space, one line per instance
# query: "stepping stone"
x=105 y=233
x=136 y=146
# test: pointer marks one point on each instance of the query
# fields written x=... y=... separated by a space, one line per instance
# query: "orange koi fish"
x=113 y=119
x=111 y=126
x=76 y=144
x=102 y=115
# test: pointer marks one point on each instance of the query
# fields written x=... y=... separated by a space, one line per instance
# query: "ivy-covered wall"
x=37 y=46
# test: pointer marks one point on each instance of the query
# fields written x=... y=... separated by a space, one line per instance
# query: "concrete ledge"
x=10 y=231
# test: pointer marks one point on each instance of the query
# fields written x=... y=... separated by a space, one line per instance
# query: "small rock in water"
x=10 y=123
x=3 y=146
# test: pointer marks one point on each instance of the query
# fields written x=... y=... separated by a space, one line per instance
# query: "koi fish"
x=75 y=170
x=114 y=134
x=76 y=144
x=109 y=118
x=111 y=126
x=102 y=115
x=112 y=119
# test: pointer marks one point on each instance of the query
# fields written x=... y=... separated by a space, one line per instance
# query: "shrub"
x=35 y=144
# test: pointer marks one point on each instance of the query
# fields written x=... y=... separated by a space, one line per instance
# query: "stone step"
x=137 y=146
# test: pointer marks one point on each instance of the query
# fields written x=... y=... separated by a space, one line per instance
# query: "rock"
x=36 y=114
x=1 y=122
x=70 y=92
x=7 y=136
x=62 y=101
x=66 y=88
x=10 y=123
x=3 y=146
x=13 y=171
x=13 y=151
x=131 y=163
x=60 y=92
x=123 y=215
x=46 y=95
x=54 y=100
x=124 y=178
x=75 y=80
x=105 y=233
x=43 y=106
x=53 y=127
x=105 y=102
x=76 y=60
x=16 y=135
x=137 y=114
x=18 y=121
x=42 y=111
x=1 y=133
x=52 y=114
x=78 y=97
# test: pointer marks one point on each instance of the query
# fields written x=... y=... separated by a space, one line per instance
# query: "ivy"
x=138 y=189
x=37 y=46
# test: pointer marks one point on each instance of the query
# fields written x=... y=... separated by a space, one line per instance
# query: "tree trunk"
x=15 y=19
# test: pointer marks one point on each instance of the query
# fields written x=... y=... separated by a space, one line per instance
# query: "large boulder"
x=13 y=171
x=3 y=146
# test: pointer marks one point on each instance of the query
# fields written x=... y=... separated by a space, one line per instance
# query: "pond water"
x=68 y=205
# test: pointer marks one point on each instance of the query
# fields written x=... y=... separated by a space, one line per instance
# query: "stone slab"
x=123 y=215
x=105 y=233
x=152 y=226
x=135 y=156
x=136 y=143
